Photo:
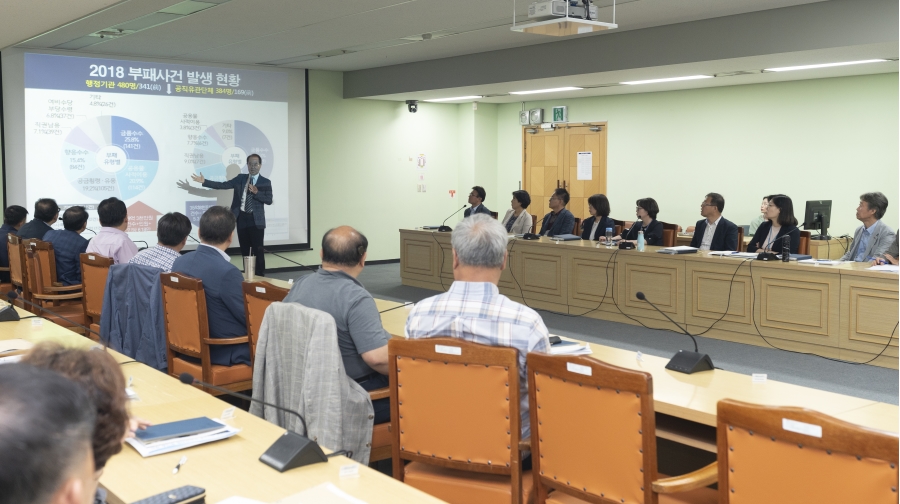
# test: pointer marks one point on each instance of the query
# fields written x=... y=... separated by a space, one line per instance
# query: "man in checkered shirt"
x=474 y=310
x=172 y=231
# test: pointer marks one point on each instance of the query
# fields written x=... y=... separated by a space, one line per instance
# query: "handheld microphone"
x=684 y=361
x=290 y=450
x=267 y=251
x=444 y=227
x=13 y=295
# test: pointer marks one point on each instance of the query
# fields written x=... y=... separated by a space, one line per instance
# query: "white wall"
x=815 y=139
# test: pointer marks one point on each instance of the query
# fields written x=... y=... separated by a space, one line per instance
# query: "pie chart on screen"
x=109 y=156
x=229 y=143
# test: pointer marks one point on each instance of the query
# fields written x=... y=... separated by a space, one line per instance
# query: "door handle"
x=557 y=183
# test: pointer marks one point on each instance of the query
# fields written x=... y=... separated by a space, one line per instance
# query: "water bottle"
x=640 y=240
x=786 y=249
x=609 y=232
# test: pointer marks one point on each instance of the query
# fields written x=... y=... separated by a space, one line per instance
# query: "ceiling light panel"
x=458 y=98
x=551 y=90
x=187 y=8
x=823 y=65
x=667 y=79
x=148 y=21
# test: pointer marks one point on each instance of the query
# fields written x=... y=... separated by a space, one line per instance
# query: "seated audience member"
x=100 y=376
x=172 y=231
x=68 y=245
x=473 y=308
x=594 y=227
x=873 y=238
x=46 y=213
x=112 y=241
x=754 y=225
x=892 y=254
x=646 y=211
x=476 y=199
x=714 y=232
x=517 y=220
x=222 y=284
x=334 y=289
x=560 y=220
x=46 y=425
x=781 y=222
x=13 y=218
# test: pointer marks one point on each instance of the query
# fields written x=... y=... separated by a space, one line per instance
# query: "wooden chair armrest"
x=4 y=269
x=690 y=481
x=525 y=444
x=56 y=297
x=226 y=341
x=382 y=393
x=63 y=288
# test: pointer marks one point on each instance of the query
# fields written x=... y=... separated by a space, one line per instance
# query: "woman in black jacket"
x=646 y=210
x=594 y=228
x=769 y=236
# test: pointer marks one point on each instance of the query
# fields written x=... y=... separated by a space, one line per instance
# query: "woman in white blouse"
x=517 y=220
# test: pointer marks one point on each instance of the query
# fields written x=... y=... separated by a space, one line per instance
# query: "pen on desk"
x=180 y=463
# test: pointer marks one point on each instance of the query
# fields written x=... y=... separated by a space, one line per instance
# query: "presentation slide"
x=137 y=130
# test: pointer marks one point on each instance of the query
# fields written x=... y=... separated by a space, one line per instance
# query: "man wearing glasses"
x=559 y=221
x=715 y=232
x=251 y=192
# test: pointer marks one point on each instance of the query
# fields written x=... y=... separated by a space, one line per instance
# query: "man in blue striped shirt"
x=474 y=310
x=172 y=231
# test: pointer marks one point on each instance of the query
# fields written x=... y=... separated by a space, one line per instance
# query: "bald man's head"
x=344 y=246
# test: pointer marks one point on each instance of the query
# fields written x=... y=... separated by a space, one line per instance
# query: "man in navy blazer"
x=251 y=193
x=476 y=199
x=714 y=232
x=559 y=221
x=222 y=284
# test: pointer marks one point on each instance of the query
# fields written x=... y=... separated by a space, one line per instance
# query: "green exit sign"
x=560 y=114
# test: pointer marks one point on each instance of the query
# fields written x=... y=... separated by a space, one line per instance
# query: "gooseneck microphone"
x=267 y=251
x=13 y=295
x=290 y=450
x=444 y=227
x=684 y=361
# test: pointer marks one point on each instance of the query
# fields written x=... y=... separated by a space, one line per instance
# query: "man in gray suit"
x=873 y=238
x=476 y=199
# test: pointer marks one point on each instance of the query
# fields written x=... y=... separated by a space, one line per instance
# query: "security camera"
x=412 y=105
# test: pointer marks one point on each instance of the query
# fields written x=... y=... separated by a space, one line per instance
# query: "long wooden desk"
x=844 y=312
x=819 y=249
x=224 y=468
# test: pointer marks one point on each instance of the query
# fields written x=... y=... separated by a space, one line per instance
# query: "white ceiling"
x=260 y=31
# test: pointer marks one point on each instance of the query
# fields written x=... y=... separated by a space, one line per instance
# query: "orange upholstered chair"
x=94 y=271
x=257 y=297
x=670 y=233
x=16 y=248
x=187 y=333
x=740 y=245
x=781 y=455
x=803 y=248
x=44 y=253
x=36 y=282
x=576 y=230
x=593 y=435
x=455 y=420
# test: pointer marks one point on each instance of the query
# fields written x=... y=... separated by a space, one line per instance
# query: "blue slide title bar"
x=75 y=73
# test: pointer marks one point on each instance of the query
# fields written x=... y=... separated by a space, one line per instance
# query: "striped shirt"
x=477 y=312
x=158 y=257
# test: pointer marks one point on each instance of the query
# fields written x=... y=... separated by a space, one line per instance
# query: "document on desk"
x=14 y=345
x=326 y=493
x=149 y=449
x=886 y=267
x=570 y=348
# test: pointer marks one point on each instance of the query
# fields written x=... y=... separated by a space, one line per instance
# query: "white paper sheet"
x=585 y=165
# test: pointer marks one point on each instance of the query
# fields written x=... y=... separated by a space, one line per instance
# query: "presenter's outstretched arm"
x=199 y=179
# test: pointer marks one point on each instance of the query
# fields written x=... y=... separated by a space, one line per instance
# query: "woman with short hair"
x=517 y=220
x=594 y=227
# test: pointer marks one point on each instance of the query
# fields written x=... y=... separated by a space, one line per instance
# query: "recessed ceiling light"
x=552 y=90
x=823 y=65
x=457 y=98
x=668 y=79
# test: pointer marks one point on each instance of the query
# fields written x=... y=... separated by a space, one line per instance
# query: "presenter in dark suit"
x=476 y=199
x=780 y=222
x=251 y=192
x=594 y=228
x=559 y=221
x=646 y=211
x=221 y=283
x=714 y=232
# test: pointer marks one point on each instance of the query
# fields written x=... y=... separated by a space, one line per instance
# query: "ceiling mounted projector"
x=561 y=18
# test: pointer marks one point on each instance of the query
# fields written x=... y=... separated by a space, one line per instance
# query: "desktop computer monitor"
x=818 y=216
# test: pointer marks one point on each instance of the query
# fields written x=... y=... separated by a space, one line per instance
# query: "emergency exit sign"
x=560 y=114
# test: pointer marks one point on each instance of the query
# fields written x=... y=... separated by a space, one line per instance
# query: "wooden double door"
x=550 y=161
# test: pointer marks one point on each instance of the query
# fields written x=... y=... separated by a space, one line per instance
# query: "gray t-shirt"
x=359 y=328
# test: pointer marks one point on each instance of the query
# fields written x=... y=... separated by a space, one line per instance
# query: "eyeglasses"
x=252 y=164
x=706 y=204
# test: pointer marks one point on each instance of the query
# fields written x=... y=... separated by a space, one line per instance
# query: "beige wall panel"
x=799 y=305
x=661 y=280
x=869 y=313
x=591 y=280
